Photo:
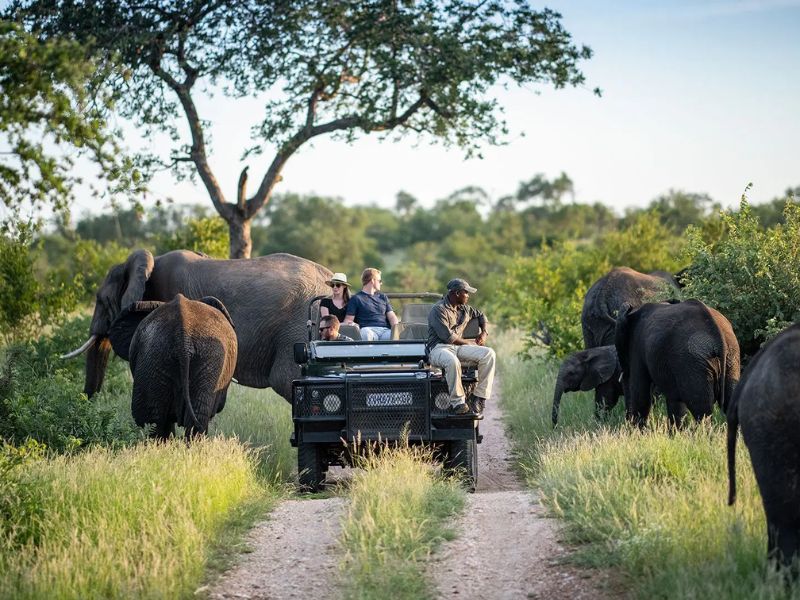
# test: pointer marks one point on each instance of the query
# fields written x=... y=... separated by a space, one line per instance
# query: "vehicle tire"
x=310 y=467
x=461 y=460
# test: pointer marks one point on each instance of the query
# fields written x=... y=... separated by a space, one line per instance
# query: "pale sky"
x=702 y=96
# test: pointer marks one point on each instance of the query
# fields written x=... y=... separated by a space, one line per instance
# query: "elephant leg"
x=605 y=398
x=641 y=399
x=676 y=412
x=283 y=371
x=698 y=394
x=787 y=544
x=163 y=430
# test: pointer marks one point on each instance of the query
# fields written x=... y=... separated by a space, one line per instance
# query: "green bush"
x=20 y=504
x=549 y=287
x=41 y=396
x=208 y=235
x=750 y=274
x=27 y=302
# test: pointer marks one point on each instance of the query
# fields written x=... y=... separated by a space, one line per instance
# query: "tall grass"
x=138 y=522
x=261 y=419
x=397 y=516
x=650 y=504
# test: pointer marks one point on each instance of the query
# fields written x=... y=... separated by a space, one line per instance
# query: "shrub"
x=41 y=396
x=749 y=274
x=549 y=287
x=208 y=235
x=29 y=302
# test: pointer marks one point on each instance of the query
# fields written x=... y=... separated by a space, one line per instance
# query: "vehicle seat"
x=416 y=313
x=410 y=331
x=351 y=331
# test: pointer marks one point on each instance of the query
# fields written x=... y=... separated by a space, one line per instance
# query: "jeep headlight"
x=332 y=403
x=442 y=400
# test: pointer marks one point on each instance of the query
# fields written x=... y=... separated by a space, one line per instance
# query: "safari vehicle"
x=355 y=393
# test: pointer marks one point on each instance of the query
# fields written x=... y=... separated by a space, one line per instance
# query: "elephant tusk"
x=620 y=377
x=82 y=349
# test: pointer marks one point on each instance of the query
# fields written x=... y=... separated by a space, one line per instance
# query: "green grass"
x=143 y=521
x=263 y=420
x=651 y=505
x=398 y=514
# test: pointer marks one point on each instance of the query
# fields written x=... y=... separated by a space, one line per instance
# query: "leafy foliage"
x=208 y=235
x=750 y=274
x=42 y=396
x=342 y=68
x=46 y=107
x=548 y=288
x=28 y=302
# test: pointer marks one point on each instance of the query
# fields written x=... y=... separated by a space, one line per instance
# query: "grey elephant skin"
x=182 y=354
x=594 y=368
x=621 y=285
x=267 y=298
x=766 y=405
x=685 y=349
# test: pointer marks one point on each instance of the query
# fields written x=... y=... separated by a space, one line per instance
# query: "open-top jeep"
x=356 y=393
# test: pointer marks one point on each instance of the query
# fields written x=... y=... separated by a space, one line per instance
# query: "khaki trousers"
x=450 y=358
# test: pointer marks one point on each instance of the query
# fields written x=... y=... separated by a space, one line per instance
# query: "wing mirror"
x=300 y=353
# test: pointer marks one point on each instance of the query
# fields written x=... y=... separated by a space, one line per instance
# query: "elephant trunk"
x=96 y=363
x=559 y=391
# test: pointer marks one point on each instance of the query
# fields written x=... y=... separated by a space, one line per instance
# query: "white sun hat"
x=338 y=278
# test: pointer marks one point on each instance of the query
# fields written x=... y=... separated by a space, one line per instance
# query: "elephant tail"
x=733 y=430
x=187 y=398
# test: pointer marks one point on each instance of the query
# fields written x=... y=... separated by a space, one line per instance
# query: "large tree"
x=345 y=68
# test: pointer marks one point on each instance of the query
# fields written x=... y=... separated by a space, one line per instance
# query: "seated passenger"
x=337 y=304
x=329 y=330
x=448 y=349
x=371 y=309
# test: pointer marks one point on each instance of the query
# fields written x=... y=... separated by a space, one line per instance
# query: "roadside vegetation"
x=398 y=515
x=649 y=505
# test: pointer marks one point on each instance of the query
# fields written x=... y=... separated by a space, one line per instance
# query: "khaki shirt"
x=447 y=322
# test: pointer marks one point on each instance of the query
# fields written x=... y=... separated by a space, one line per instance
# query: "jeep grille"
x=385 y=409
x=310 y=401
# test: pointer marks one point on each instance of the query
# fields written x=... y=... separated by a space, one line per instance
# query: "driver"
x=447 y=349
x=329 y=330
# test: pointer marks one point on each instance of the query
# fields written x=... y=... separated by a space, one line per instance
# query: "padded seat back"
x=410 y=331
x=416 y=313
x=351 y=331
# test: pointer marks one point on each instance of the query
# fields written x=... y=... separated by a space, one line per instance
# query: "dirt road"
x=506 y=547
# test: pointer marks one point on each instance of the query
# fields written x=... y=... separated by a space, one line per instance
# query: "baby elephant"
x=182 y=356
x=766 y=404
x=595 y=368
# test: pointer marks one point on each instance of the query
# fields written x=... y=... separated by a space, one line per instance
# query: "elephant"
x=621 y=285
x=182 y=355
x=594 y=368
x=766 y=404
x=685 y=349
x=267 y=297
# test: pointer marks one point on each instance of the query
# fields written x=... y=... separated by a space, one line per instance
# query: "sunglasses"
x=321 y=329
x=337 y=285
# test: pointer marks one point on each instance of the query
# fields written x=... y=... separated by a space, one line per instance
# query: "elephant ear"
x=600 y=367
x=138 y=269
x=217 y=303
x=124 y=326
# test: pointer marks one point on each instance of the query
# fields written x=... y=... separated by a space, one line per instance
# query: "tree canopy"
x=390 y=67
x=47 y=115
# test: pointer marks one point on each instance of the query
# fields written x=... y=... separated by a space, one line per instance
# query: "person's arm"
x=392 y=318
x=350 y=313
x=483 y=324
x=323 y=312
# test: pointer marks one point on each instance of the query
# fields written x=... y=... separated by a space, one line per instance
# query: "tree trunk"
x=241 y=245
